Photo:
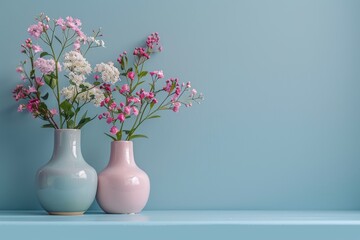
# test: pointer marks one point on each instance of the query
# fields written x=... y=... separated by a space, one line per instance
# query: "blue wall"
x=280 y=126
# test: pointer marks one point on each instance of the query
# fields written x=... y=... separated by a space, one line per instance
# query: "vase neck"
x=67 y=143
x=122 y=153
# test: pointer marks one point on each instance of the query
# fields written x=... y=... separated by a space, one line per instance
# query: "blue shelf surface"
x=248 y=225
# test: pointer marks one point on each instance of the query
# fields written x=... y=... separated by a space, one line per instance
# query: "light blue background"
x=280 y=126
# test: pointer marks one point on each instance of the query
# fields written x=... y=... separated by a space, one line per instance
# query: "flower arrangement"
x=44 y=66
x=129 y=103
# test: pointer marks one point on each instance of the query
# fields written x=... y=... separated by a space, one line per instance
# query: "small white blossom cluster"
x=77 y=66
x=99 y=43
x=109 y=73
x=94 y=94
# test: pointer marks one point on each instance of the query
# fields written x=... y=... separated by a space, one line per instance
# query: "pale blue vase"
x=66 y=185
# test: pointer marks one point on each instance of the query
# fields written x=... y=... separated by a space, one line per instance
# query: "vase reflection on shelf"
x=66 y=185
x=123 y=187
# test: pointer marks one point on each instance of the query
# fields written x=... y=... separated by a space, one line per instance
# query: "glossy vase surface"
x=66 y=185
x=123 y=187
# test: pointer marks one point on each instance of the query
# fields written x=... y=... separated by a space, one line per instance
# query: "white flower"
x=109 y=73
x=69 y=92
x=77 y=79
x=76 y=63
x=96 y=41
x=92 y=93
x=98 y=96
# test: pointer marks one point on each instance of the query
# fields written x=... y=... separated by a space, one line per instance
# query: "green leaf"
x=45 y=97
x=43 y=54
x=50 y=81
x=154 y=116
x=97 y=83
x=118 y=135
x=152 y=104
x=70 y=124
x=66 y=106
x=84 y=120
x=49 y=125
x=57 y=39
x=113 y=138
x=142 y=74
x=137 y=136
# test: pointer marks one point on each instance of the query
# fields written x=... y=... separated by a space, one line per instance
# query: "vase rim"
x=119 y=141
x=67 y=129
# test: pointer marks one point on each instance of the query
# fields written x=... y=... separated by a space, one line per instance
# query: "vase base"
x=66 y=213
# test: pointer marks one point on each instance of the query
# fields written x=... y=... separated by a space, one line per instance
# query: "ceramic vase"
x=66 y=185
x=123 y=187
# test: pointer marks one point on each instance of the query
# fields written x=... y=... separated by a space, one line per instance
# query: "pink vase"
x=122 y=186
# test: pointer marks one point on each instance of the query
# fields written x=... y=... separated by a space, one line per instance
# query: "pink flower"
x=178 y=91
x=96 y=77
x=36 y=30
x=121 y=117
x=140 y=52
x=176 y=106
x=133 y=100
x=124 y=88
x=77 y=22
x=153 y=40
x=154 y=101
x=36 y=48
x=32 y=90
x=159 y=74
x=39 y=81
x=33 y=105
x=21 y=107
x=53 y=112
x=122 y=105
x=107 y=100
x=77 y=45
x=106 y=114
x=19 y=69
x=188 y=85
x=70 y=23
x=60 y=22
x=81 y=35
x=109 y=120
x=20 y=92
x=135 y=110
x=193 y=93
x=150 y=95
x=112 y=106
x=114 y=130
x=131 y=75
x=127 y=110
x=100 y=117
x=46 y=66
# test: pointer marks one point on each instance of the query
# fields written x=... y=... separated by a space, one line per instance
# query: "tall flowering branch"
x=129 y=105
x=41 y=72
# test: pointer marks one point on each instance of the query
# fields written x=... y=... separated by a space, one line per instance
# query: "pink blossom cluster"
x=158 y=74
x=141 y=52
x=72 y=23
x=28 y=46
x=121 y=56
x=20 y=92
x=46 y=66
x=153 y=41
x=139 y=102
x=36 y=30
